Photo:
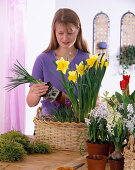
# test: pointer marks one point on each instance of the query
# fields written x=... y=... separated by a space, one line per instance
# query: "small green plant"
x=127 y=57
x=63 y=113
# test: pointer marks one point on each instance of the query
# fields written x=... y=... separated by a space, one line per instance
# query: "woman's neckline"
x=72 y=58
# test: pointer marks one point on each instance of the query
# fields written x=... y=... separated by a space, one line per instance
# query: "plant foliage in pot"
x=98 y=138
x=127 y=57
x=118 y=133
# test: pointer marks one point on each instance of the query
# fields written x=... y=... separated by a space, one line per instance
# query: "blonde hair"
x=66 y=16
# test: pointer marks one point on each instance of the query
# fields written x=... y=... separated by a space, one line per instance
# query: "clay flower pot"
x=96 y=162
x=116 y=164
x=98 y=149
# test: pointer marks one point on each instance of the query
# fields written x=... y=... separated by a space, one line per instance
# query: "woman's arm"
x=35 y=93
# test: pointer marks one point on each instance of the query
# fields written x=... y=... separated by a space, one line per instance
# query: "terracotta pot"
x=98 y=149
x=116 y=165
x=96 y=162
x=111 y=148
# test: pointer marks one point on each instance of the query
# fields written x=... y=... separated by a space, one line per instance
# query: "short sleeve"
x=37 y=71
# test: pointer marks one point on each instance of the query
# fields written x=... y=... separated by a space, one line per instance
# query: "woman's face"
x=66 y=34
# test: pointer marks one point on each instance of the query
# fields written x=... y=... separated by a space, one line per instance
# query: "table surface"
x=48 y=161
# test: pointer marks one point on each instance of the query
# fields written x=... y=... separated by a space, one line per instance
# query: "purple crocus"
x=67 y=102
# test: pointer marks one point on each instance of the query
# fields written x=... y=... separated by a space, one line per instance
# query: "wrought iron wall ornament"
x=101 y=34
x=127 y=30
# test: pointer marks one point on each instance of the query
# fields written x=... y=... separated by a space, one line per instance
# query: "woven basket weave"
x=129 y=155
x=60 y=136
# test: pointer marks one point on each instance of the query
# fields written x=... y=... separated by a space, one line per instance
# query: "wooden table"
x=48 y=161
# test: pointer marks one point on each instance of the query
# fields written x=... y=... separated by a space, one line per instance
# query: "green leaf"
x=119 y=97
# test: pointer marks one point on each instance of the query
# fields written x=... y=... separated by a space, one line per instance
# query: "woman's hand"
x=35 y=93
x=39 y=89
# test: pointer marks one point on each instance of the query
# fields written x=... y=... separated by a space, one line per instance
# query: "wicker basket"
x=60 y=136
x=129 y=155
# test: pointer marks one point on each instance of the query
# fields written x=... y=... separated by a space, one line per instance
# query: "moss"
x=14 y=146
x=35 y=147
x=11 y=151
x=16 y=136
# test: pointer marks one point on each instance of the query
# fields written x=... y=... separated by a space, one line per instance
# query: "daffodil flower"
x=104 y=62
x=72 y=76
x=80 y=68
x=91 y=60
x=62 y=65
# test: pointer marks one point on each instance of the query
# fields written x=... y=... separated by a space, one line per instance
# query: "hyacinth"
x=112 y=120
x=62 y=65
x=101 y=111
x=130 y=119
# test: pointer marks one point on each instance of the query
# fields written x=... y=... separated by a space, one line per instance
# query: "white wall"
x=38 y=29
x=40 y=14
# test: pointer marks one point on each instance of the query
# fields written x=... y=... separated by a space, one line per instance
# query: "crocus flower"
x=68 y=103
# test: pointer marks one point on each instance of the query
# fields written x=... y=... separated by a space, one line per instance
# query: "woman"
x=66 y=41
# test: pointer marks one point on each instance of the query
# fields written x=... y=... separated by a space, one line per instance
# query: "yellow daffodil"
x=62 y=65
x=91 y=60
x=104 y=62
x=80 y=68
x=72 y=76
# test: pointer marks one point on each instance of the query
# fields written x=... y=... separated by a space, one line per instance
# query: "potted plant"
x=126 y=57
x=98 y=138
x=121 y=122
x=118 y=133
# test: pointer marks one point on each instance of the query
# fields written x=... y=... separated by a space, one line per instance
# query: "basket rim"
x=80 y=124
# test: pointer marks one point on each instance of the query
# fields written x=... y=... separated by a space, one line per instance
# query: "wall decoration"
x=101 y=34
x=127 y=44
x=127 y=30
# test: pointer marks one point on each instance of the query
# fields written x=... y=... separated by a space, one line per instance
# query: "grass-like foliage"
x=20 y=76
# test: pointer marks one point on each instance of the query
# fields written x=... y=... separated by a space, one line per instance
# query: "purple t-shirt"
x=43 y=68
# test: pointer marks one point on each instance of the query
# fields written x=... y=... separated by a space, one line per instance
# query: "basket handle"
x=39 y=110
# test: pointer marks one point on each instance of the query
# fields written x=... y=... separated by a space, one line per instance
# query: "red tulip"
x=123 y=84
x=127 y=92
x=126 y=78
